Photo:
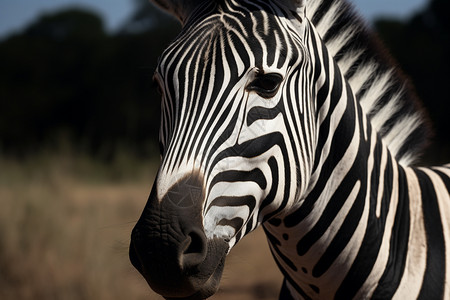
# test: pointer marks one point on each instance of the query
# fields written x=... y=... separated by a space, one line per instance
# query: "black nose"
x=169 y=264
x=193 y=249
x=169 y=246
x=181 y=255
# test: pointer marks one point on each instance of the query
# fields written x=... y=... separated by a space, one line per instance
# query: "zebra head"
x=231 y=119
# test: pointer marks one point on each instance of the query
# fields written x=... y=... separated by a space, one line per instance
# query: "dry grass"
x=65 y=222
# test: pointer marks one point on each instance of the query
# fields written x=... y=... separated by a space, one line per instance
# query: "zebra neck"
x=338 y=242
x=331 y=241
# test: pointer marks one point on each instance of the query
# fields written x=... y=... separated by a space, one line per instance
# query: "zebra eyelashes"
x=266 y=85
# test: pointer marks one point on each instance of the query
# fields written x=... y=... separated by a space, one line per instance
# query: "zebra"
x=288 y=114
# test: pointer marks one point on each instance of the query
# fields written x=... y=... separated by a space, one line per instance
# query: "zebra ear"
x=178 y=8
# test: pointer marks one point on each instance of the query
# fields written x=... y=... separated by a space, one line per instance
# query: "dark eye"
x=266 y=85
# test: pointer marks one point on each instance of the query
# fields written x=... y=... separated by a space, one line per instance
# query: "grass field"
x=65 y=222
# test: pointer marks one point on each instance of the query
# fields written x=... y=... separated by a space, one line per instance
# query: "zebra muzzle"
x=169 y=246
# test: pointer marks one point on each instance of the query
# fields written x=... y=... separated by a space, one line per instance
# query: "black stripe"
x=225 y=135
x=395 y=267
x=296 y=217
x=261 y=113
x=255 y=175
x=333 y=207
x=225 y=201
x=199 y=91
x=444 y=178
x=349 y=225
x=250 y=226
x=284 y=293
x=434 y=278
x=370 y=246
x=236 y=223
x=275 y=244
x=273 y=165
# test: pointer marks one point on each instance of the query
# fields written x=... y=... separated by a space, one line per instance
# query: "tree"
x=65 y=76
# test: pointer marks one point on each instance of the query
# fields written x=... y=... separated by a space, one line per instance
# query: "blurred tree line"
x=65 y=78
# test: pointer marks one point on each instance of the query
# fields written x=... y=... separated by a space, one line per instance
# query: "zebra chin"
x=169 y=246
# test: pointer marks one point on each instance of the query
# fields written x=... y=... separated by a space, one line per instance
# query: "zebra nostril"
x=196 y=245
x=194 y=249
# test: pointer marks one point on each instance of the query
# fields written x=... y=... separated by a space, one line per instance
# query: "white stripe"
x=411 y=282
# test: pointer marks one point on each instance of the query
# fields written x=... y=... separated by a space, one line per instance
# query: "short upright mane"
x=383 y=91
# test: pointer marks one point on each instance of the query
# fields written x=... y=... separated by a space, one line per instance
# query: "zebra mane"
x=384 y=93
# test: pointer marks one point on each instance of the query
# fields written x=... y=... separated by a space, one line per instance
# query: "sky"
x=15 y=15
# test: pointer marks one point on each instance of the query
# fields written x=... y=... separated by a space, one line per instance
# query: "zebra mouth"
x=209 y=288
x=169 y=246
x=193 y=283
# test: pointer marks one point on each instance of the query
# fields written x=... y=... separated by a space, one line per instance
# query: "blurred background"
x=79 y=121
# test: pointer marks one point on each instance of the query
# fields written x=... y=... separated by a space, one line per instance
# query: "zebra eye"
x=266 y=85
